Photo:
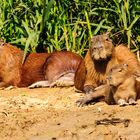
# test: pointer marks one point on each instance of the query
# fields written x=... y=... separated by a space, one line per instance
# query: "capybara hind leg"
x=64 y=81
x=132 y=101
x=40 y=84
x=9 y=87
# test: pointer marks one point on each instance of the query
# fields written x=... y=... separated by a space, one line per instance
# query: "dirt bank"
x=51 y=114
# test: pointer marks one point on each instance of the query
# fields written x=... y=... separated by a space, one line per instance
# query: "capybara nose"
x=100 y=47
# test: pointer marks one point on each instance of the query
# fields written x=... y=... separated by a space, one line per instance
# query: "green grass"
x=49 y=25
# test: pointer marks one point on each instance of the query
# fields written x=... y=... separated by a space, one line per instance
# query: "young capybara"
x=120 y=89
x=38 y=69
x=123 y=85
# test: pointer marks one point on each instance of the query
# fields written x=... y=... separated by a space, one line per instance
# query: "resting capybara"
x=100 y=58
x=120 y=88
x=38 y=69
x=123 y=85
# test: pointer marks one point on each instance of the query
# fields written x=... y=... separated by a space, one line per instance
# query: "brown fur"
x=100 y=58
x=120 y=88
x=37 y=66
x=123 y=85
x=102 y=91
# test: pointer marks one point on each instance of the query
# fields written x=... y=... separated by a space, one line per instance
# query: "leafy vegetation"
x=39 y=25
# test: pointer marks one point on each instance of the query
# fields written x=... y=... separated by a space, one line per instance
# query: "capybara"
x=38 y=69
x=120 y=89
x=100 y=58
x=123 y=85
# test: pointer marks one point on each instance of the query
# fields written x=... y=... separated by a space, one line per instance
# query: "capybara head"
x=101 y=47
x=117 y=75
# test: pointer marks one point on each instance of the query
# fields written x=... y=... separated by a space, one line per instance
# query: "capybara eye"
x=93 y=49
x=107 y=39
x=126 y=65
x=120 y=70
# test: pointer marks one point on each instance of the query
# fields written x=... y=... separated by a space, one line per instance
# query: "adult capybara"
x=57 y=68
x=100 y=58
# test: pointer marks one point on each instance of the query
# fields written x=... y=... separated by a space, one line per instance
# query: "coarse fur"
x=121 y=88
x=37 y=67
x=102 y=91
x=100 y=58
x=123 y=85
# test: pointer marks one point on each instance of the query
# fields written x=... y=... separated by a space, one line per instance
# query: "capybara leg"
x=122 y=102
x=9 y=87
x=64 y=81
x=85 y=100
x=3 y=85
x=40 y=84
x=99 y=92
x=90 y=97
x=131 y=101
x=88 y=89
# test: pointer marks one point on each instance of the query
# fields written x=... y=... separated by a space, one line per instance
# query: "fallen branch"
x=113 y=121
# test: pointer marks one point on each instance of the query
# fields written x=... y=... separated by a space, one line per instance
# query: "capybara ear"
x=108 y=34
x=1 y=42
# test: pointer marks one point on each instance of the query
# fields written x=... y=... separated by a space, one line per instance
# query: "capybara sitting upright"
x=100 y=58
x=38 y=69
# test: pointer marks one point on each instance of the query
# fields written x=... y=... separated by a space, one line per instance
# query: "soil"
x=51 y=114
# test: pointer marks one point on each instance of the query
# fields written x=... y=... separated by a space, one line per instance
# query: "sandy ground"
x=51 y=114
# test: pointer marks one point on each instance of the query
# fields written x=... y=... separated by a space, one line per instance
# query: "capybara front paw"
x=131 y=101
x=122 y=102
x=81 y=102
